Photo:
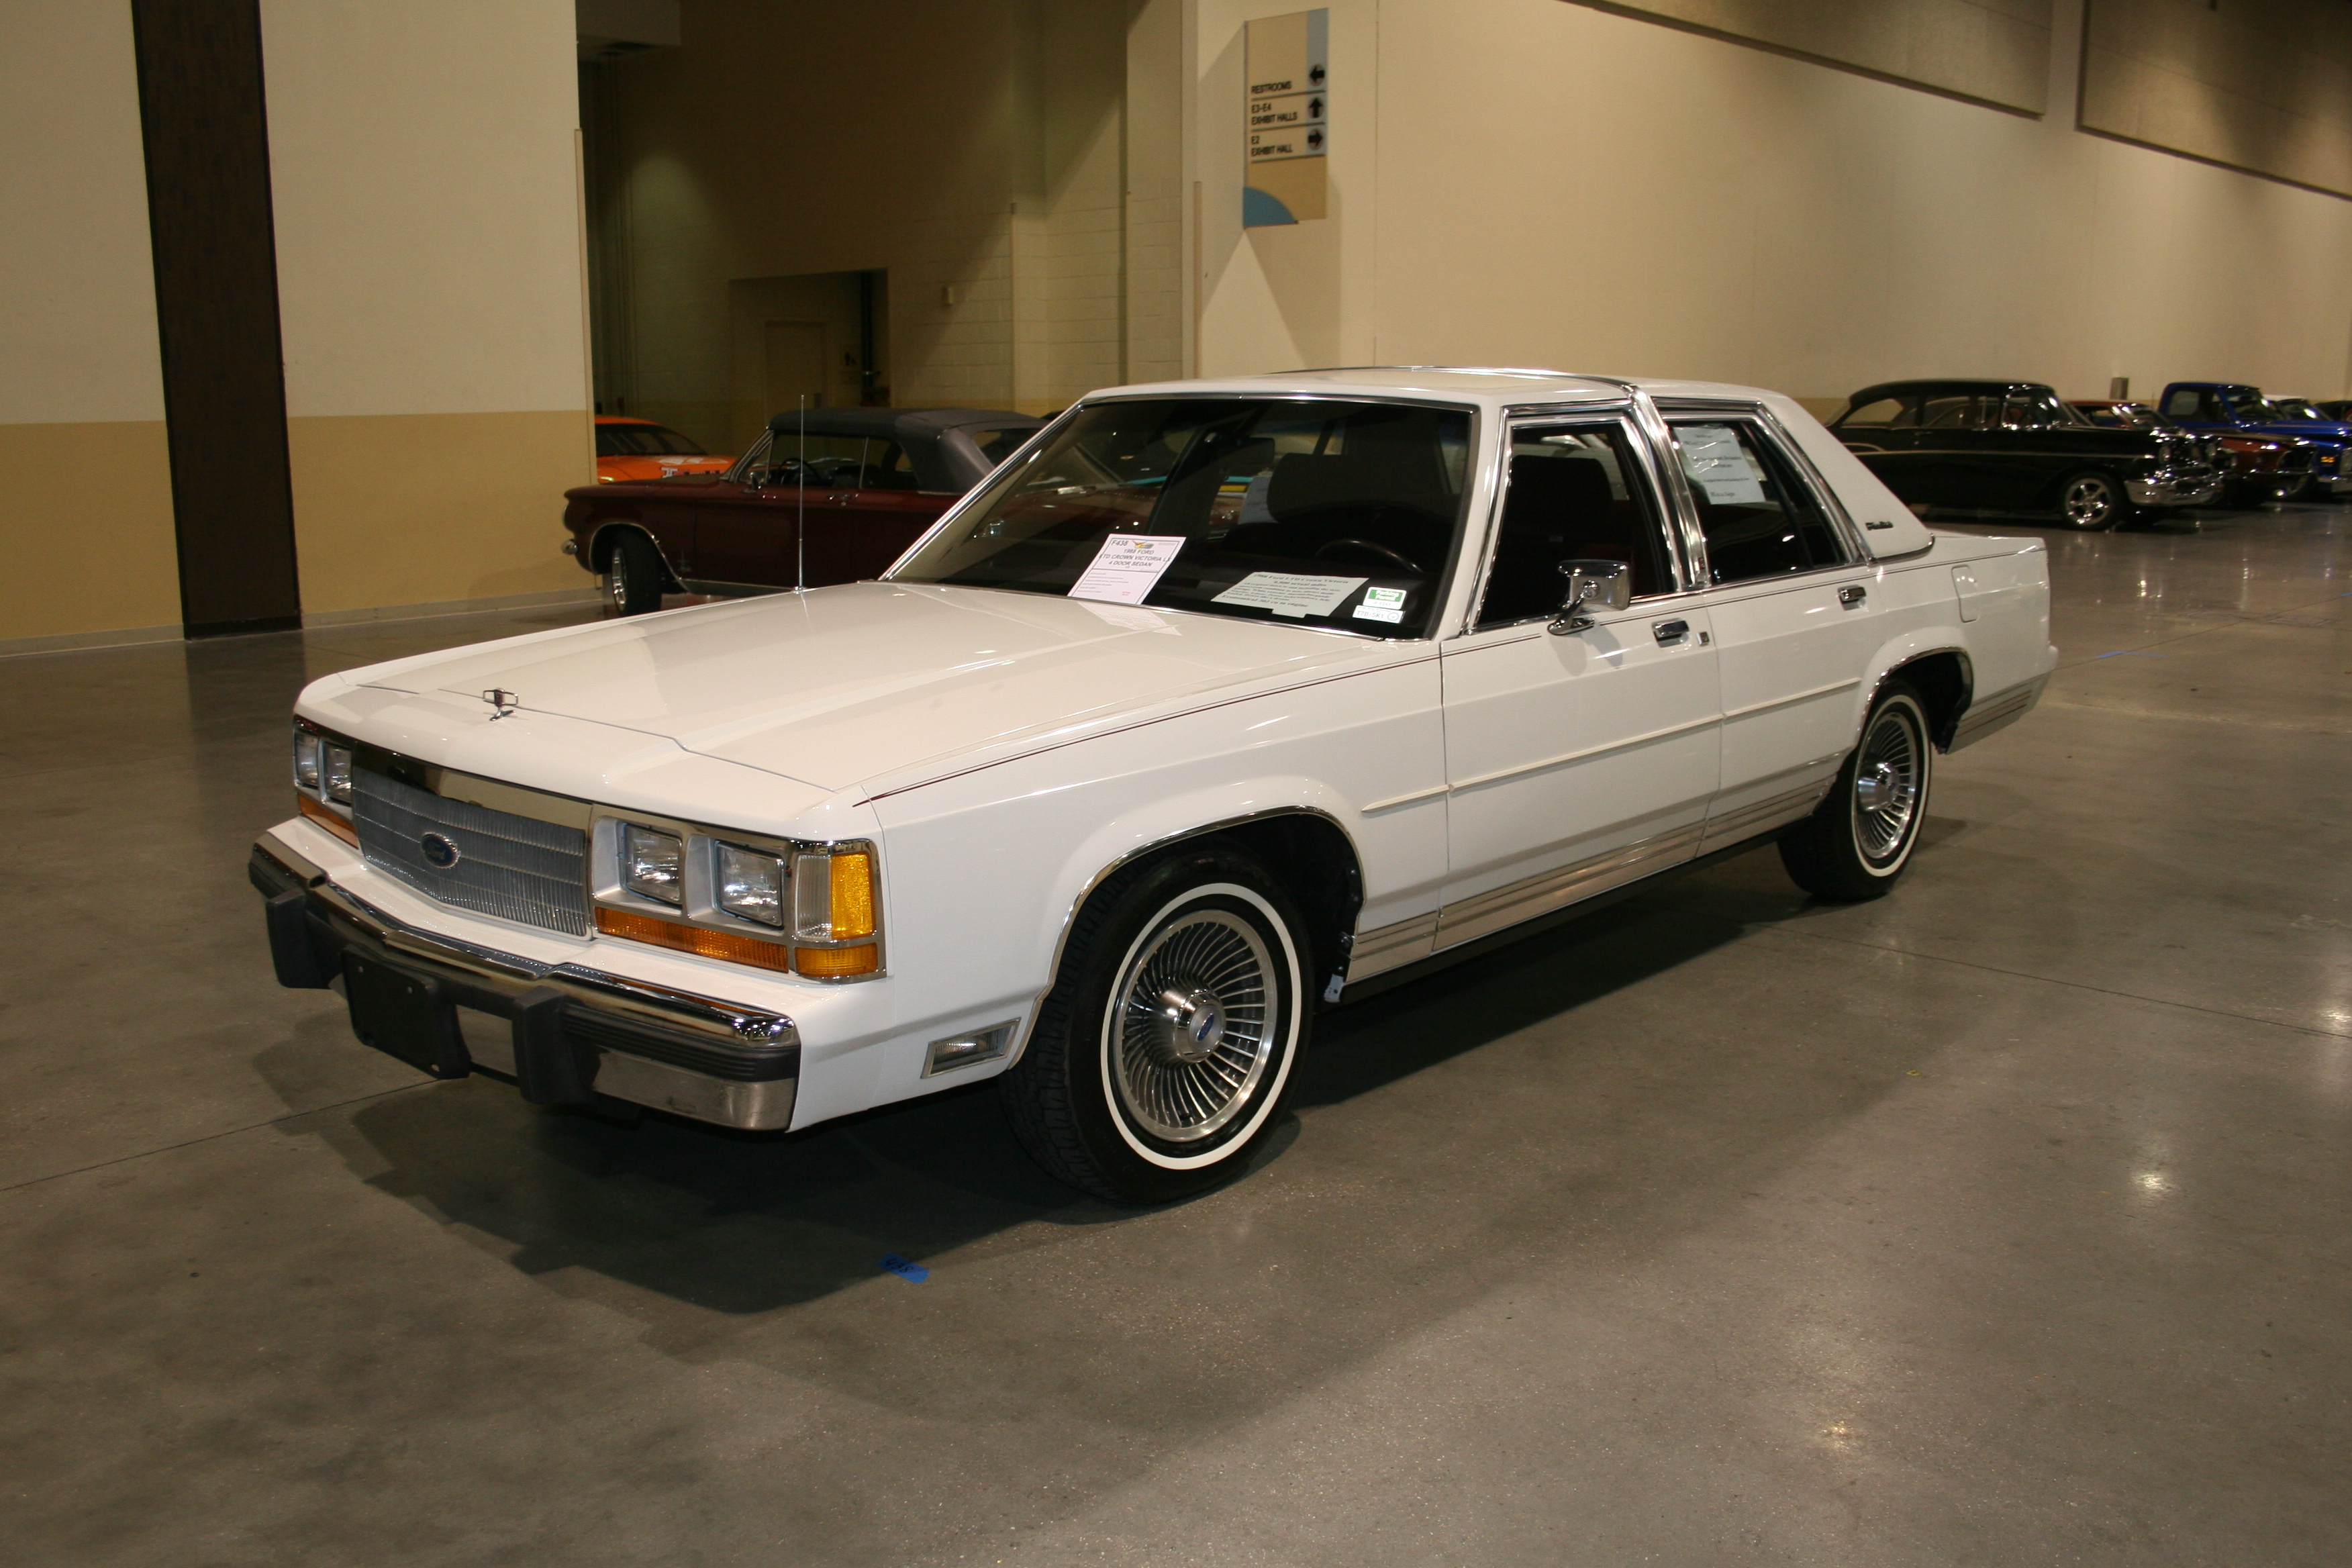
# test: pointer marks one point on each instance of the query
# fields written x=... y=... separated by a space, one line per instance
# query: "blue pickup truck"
x=2222 y=407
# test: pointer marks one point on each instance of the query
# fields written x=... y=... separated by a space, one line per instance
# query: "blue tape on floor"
x=2135 y=653
x=913 y=1273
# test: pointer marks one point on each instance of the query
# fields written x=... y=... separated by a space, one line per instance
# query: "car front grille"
x=516 y=867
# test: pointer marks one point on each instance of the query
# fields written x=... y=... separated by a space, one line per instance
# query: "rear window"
x=1885 y=411
x=642 y=441
x=1313 y=511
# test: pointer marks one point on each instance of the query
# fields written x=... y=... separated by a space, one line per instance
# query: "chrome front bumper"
x=573 y=1033
x=2195 y=484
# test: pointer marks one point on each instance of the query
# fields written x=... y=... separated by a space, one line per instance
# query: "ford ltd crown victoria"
x=1218 y=704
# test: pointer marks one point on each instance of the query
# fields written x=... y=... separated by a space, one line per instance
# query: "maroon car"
x=867 y=480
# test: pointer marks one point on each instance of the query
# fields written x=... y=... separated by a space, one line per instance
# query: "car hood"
x=879 y=682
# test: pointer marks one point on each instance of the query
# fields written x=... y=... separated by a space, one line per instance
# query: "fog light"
x=968 y=1050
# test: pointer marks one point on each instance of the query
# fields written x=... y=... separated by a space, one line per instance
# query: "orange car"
x=641 y=449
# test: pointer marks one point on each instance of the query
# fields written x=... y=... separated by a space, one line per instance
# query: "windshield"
x=2252 y=407
x=642 y=441
x=2297 y=408
x=1319 y=512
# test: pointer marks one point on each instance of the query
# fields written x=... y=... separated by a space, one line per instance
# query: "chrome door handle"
x=1853 y=594
x=1669 y=633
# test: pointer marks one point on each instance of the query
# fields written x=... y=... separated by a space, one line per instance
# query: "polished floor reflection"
x=2000 y=1222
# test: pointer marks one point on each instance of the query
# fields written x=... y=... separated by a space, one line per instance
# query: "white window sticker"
x=1126 y=566
x=1290 y=592
x=1717 y=463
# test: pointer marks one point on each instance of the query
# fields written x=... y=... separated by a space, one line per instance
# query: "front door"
x=881 y=514
x=748 y=534
x=1574 y=762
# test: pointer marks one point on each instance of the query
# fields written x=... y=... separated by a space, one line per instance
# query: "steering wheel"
x=1370 y=548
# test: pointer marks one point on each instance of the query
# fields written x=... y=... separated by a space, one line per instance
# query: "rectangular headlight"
x=337 y=774
x=653 y=865
x=306 y=759
x=750 y=884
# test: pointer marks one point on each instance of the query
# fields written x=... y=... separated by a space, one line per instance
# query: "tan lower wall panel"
x=416 y=508
x=88 y=524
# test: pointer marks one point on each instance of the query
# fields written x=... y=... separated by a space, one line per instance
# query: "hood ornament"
x=503 y=700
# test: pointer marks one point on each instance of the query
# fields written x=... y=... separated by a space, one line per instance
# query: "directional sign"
x=1285 y=118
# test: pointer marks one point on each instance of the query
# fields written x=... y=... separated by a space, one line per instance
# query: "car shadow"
x=741 y=1224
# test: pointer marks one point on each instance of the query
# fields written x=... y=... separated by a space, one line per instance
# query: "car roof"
x=899 y=424
x=1485 y=386
x=1948 y=386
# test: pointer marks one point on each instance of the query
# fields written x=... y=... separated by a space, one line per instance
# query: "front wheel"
x=1162 y=1059
x=2093 y=501
x=1859 y=840
x=634 y=578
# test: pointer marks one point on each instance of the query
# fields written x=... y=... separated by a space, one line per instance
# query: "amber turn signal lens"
x=327 y=819
x=836 y=963
x=853 y=897
x=695 y=940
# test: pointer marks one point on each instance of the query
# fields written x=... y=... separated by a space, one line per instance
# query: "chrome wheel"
x=616 y=584
x=2090 y=501
x=1886 y=785
x=1191 y=1038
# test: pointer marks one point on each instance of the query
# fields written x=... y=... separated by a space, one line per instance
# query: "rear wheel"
x=2093 y=501
x=634 y=578
x=1162 y=1059
x=1858 y=842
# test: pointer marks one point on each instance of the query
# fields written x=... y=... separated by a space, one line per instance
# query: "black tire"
x=1858 y=842
x=635 y=577
x=2294 y=487
x=1145 y=1105
x=2093 y=500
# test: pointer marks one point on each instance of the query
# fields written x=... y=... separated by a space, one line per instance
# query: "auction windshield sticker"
x=1290 y=592
x=1127 y=567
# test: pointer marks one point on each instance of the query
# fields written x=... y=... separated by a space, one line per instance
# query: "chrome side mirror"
x=1591 y=586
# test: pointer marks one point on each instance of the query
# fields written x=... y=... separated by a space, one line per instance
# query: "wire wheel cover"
x=1191 y=1036
x=1886 y=785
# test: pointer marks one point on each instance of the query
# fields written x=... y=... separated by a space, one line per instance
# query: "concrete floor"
x=2001 y=1222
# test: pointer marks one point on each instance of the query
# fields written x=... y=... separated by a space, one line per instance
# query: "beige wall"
x=1994 y=50
x=1538 y=182
x=2263 y=84
x=423 y=167
x=86 y=513
x=977 y=159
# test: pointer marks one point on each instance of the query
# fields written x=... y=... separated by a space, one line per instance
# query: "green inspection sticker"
x=1389 y=596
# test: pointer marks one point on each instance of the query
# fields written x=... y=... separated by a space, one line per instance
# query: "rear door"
x=1789 y=601
x=1579 y=761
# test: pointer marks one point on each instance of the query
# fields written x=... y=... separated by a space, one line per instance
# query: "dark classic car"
x=2016 y=446
x=2225 y=406
x=868 y=482
x=2255 y=468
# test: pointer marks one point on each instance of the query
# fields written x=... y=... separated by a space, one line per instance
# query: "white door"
x=1791 y=615
x=1574 y=762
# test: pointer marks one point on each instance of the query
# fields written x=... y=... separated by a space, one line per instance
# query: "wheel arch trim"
x=600 y=553
x=1143 y=851
x=1907 y=653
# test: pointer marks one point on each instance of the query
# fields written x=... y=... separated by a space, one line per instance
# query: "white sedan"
x=1220 y=703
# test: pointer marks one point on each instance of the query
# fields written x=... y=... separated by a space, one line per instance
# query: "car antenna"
x=799 y=522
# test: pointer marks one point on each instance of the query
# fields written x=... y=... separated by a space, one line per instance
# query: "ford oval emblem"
x=439 y=852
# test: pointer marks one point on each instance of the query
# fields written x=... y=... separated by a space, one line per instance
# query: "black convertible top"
x=1948 y=387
